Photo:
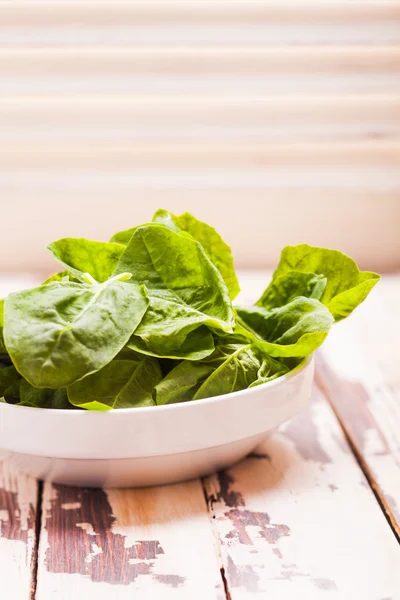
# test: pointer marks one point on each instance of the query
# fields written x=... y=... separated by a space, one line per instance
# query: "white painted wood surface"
x=18 y=498
x=149 y=543
x=361 y=377
x=298 y=519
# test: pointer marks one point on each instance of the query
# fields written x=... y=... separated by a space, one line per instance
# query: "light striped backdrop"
x=278 y=122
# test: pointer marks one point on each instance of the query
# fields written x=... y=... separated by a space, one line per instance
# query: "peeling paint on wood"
x=12 y=527
x=300 y=518
x=225 y=492
x=71 y=545
x=154 y=542
x=18 y=497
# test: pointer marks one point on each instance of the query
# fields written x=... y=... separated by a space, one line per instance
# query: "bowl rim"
x=274 y=383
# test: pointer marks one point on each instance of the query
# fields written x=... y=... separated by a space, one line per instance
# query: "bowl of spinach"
x=135 y=358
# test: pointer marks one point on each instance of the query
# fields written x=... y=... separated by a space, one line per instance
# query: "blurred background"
x=278 y=123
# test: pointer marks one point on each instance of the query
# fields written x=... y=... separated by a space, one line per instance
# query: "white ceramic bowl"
x=153 y=445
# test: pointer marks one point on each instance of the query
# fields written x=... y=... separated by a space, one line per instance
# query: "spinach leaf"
x=185 y=341
x=289 y=286
x=123 y=383
x=80 y=256
x=182 y=382
x=10 y=381
x=247 y=362
x=295 y=329
x=185 y=290
x=2 y=346
x=63 y=276
x=346 y=286
x=60 y=332
x=43 y=398
x=124 y=237
x=214 y=246
x=236 y=373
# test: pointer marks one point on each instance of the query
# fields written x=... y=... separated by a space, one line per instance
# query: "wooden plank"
x=120 y=118
x=147 y=543
x=18 y=506
x=216 y=60
x=240 y=70
x=74 y=23
x=359 y=370
x=297 y=519
x=254 y=158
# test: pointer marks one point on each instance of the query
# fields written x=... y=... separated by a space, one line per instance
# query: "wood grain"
x=359 y=369
x=297 y=519
x=121 y=118
x=18 y=499
x=36 y=23
x=156 y=543
x=213 y=70
x=257 y=156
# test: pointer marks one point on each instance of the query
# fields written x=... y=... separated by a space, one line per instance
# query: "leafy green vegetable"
x=147 y=319
x=123 y=383
x=231 y=367
x=183 y=342
x=124 y=237
x=42 y=398
x=80 y=256
x=63 y=276
x=346 y=286
x=10 y=381
x=185 y=290
x=182 y=382
x=291 y=285
x=236 y=373
x=70 y=330
x=295 y=329
x=214 y=246
x=2 y=346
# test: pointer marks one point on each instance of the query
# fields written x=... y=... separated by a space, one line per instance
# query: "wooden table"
x=313 y=513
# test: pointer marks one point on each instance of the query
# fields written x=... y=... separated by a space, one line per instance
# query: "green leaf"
x=63 y=276
x=182 y=343
x=10 y=381
x=2 y=346
x=182 y=382
x=289 y=286
x=185 y=290
x=124 y=237
x=123 y=383
x=80 y=256
x=236 y=373
x=60 y=332
x=293 y=330
x=43 y=398
x=346 y=286
x=214 y=246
